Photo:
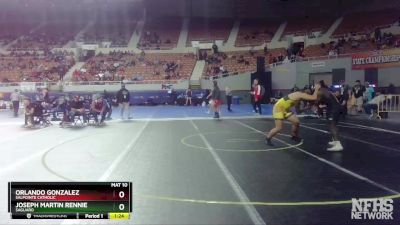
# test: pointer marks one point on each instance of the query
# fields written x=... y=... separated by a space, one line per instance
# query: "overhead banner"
x=376 y=59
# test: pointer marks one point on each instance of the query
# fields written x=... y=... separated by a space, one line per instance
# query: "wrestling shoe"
x=268 y=142
x=337 y=147
x=296 y=139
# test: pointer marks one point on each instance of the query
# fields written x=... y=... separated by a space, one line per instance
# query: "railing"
x=77 y=83
x=325 y=57
x=218 y=76
x=390 y=103
x=37 y=84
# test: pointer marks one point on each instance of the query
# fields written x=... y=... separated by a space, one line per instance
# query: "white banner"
x=318 y=64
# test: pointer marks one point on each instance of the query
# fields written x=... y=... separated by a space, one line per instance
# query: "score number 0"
x=121 y=194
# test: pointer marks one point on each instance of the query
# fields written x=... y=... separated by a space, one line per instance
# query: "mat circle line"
x=184 y=142
x=47 y=167
x=200 y=201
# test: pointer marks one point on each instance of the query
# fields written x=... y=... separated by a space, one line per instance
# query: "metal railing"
x=78 y=83
x=38 y=84
x=389 y=103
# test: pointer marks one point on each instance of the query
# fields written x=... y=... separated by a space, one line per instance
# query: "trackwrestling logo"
x=372 y=209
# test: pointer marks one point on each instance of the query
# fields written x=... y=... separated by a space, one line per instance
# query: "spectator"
x=344 y=98
x=15 y=99
x=377 y=34
x=369 y=92
x=189 y=97
x=391 y=89
x=77 y=109
x=372 y=105
x=358 y=91
x=342 y=102
x=294 y=89
x=215 y=48
x=123 y=99
x=354 y=44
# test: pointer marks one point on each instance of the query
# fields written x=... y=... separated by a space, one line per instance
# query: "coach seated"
x=60 y=107
x=77 y=109
x=99 y=107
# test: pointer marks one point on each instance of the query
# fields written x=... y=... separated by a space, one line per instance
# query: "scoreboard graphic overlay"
x=70 y=200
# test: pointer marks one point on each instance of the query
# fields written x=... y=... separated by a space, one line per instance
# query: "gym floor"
x=203 y=171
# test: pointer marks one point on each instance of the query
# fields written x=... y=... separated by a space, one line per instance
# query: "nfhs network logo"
x=372 y=209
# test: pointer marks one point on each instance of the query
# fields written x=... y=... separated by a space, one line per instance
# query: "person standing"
x=333 y=108
x=189 y=97
x=228 y=93
x=123 y=99
x=257 y=96
x=358 y=91
x=216 y=99
x=344 y=98
x=283 y=111
x=15 y=99
x=108 y=99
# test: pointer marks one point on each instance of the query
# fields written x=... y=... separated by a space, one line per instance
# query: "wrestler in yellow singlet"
x=282 y=109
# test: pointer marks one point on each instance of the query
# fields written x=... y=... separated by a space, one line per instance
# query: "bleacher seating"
x=160 y=33
x=305 y=26
x=238 y=62
x=209 y=30
x=51 y=35
x=118 y=32
x=366 y=22
x=11 y=31
x=253 y=32
x=316 y=51
x=353 y=46
x=35 y=67
x=118 y=66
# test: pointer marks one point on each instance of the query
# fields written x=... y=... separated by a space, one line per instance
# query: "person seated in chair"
x=99 y=107
x=77 y=109
x=60 y=106
x=372 y=106
x=29 y=112
x=45 y=98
